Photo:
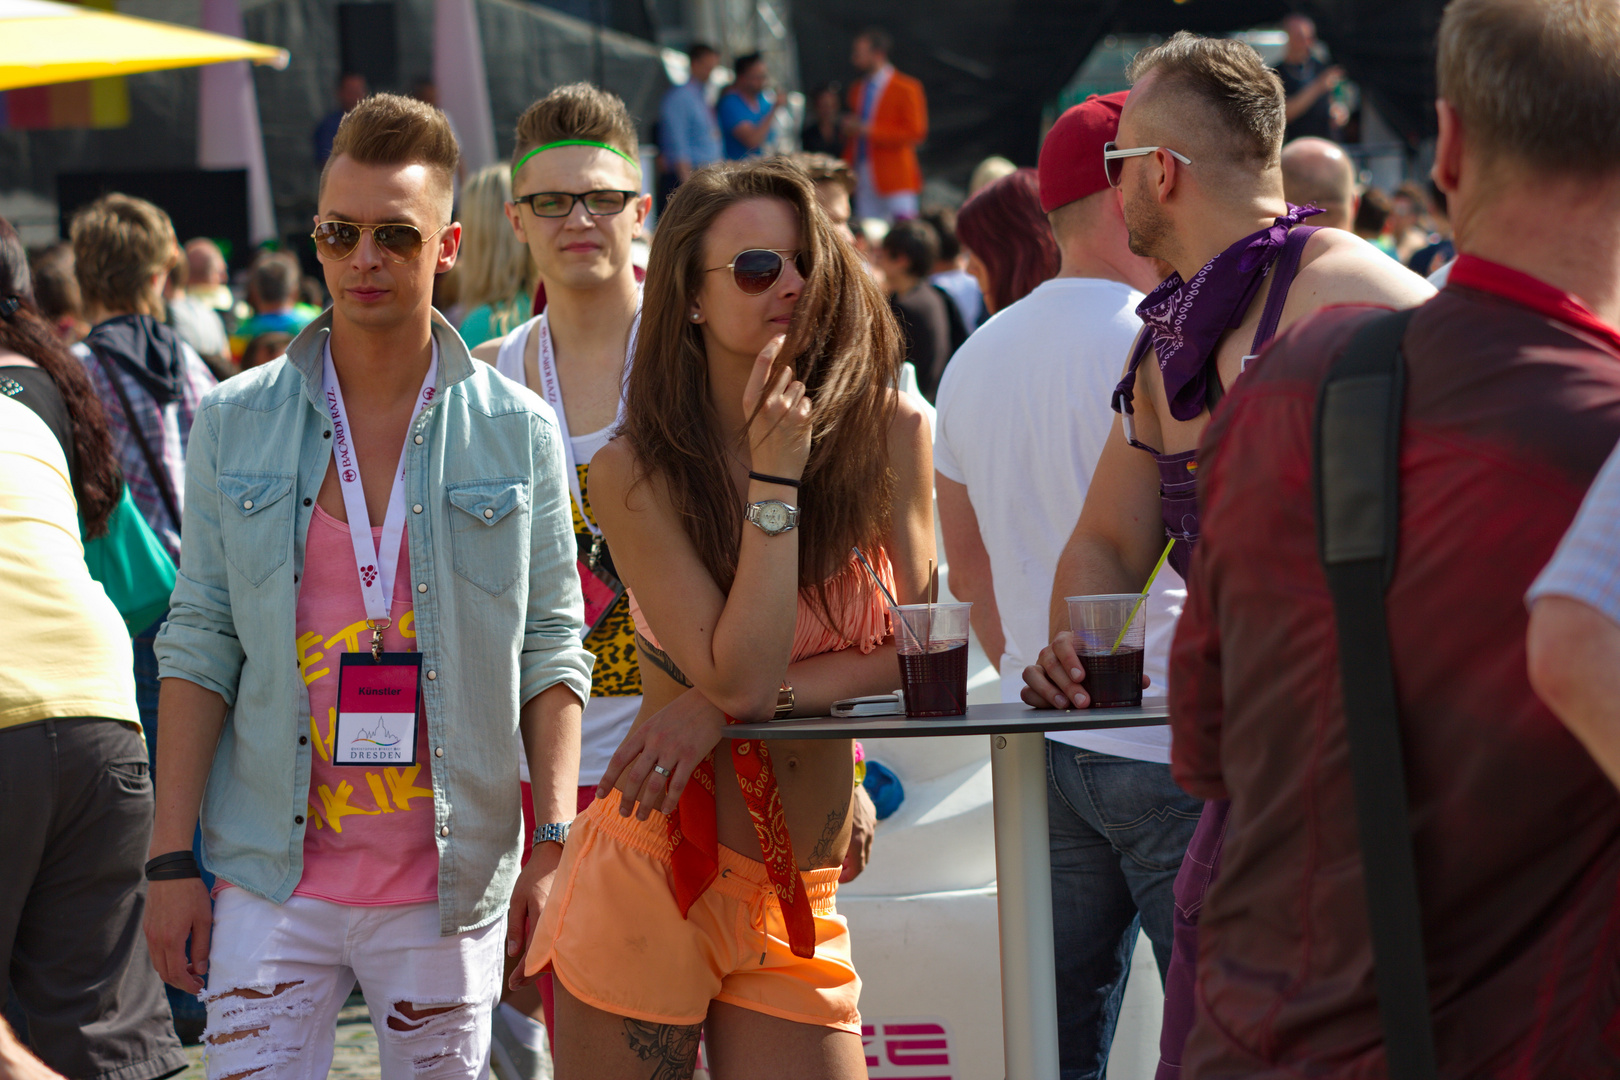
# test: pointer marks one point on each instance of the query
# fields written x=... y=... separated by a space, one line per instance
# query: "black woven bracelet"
x=784 y=481
x=173 y=866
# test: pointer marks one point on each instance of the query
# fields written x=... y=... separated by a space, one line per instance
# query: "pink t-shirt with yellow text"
x=369 y=832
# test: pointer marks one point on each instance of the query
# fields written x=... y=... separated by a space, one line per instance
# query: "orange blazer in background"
x=899 y=123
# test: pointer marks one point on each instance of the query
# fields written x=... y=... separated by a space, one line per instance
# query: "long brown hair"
x=843 y=345
x=97 y=482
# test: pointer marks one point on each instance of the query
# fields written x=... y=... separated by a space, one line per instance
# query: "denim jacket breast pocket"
x=489 y=531
x=256 y=523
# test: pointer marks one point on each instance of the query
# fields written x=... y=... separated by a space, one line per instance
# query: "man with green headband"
x=577 y=205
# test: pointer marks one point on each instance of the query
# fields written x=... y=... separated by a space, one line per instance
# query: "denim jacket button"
x=445 y=831
x=422 y=587
x=298 y=819
x=247 y=504
x=417 y=509
x=432 y=675
x=438 y=752
x=418 y=440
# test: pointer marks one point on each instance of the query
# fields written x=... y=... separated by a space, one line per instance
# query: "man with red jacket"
x=889 y=118
x=1512 y=404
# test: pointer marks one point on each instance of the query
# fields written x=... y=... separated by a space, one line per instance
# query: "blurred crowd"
x=1066 y=341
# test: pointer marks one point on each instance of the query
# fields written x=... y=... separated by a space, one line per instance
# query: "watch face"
x=772 y=516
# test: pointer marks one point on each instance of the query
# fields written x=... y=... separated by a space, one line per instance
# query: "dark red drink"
x=1113 y=680
x=936 y=682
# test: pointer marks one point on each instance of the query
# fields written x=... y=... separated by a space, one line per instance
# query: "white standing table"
x=1023 y=861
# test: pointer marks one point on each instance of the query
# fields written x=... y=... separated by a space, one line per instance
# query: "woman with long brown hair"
x=763 y=441
x=37 y=369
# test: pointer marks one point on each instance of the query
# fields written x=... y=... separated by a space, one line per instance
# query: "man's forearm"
x=1303 y=99
x=1091 y=565
x=190 y=719
x=986 y=620
x=1574 y=659
x=550 y=722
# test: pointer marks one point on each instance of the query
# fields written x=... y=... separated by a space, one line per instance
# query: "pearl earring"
x=695 y=316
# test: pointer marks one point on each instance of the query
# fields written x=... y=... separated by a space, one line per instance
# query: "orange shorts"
x=612 y=934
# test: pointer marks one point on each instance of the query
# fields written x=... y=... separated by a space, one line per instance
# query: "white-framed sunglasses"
x=1113 y=165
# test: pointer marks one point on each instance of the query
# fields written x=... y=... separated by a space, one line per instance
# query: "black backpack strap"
x=160 y=475
x=1357 y=480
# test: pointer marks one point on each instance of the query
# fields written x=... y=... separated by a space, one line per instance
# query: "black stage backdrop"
x=990 y=68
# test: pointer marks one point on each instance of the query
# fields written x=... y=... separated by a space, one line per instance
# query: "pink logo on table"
x=909 y=1049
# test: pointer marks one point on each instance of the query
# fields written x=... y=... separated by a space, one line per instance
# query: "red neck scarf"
x=1472 y=272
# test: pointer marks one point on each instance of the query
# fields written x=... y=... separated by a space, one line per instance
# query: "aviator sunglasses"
x=336 y=240
x=757 y=269
x=1113 y=164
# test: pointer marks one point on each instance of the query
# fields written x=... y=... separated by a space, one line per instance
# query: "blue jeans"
x=1119 y=828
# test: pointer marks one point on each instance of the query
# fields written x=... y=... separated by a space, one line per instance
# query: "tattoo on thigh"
x=659 y=659
x=822 y=854
x=672 y=1048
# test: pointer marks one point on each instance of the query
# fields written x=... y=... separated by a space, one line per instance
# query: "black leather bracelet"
x=784 y=481
x=173 y=866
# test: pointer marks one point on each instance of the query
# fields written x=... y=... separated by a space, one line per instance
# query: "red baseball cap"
x=1071 y=164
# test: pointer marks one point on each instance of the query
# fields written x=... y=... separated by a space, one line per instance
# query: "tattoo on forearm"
x=822 y=854
x=672 y=1048
x=659 y=659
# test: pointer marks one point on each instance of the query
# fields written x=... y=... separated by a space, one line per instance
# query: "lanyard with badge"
x=597 y=577
x=378 y=692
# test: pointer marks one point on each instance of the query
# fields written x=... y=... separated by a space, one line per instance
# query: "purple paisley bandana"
x=1186 y=319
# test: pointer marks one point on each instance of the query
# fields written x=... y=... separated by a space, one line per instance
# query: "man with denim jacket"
x=323 y=863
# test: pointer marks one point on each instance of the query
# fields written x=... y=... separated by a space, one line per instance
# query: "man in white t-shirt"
x=576 y=205
x=1023 y=415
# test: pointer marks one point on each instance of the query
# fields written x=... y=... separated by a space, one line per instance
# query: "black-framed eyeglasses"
x=757 y=269
x=336 y=240
x=558 y=204
x=1113 y=165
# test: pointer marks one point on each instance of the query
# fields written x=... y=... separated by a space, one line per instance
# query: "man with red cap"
x=1023 y=417
x=1197 y=168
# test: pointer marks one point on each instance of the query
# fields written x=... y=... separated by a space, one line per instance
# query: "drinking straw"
x=886 y=593
x=1163 y=555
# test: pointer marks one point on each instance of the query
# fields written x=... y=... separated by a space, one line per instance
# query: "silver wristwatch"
x=556 y=831
x=773 y=516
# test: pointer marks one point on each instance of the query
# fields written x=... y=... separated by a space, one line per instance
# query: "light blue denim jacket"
x=491 y=537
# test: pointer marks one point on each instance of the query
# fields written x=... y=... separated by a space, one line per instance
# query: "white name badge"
x=377 y=707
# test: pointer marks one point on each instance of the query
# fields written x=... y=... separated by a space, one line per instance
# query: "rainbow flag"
x=96 y=103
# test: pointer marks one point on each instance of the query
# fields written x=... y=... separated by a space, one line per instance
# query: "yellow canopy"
x=43 y=42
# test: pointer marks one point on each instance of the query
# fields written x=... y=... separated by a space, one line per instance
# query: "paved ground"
x=353 y=1058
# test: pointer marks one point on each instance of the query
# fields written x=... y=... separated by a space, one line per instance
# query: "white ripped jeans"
x=279 y=973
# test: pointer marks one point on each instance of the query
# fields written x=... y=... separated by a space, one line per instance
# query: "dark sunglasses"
x=336 y=240
x=757 y=269
x=562 y=203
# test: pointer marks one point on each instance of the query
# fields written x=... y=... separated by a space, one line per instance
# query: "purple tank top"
x=1178 y=473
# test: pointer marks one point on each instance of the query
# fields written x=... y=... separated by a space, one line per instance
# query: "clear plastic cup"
x=1109 y=632
x=932 y=640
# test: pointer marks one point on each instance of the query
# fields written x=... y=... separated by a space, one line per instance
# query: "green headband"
x=574 y=142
